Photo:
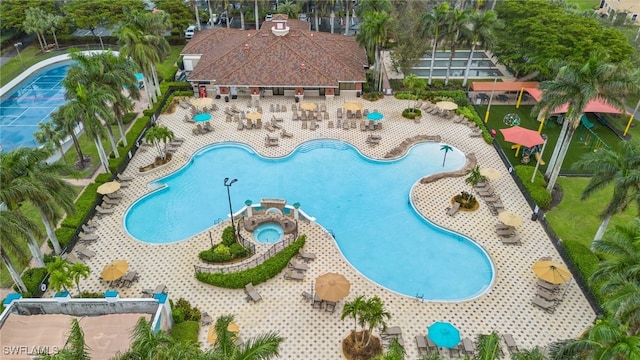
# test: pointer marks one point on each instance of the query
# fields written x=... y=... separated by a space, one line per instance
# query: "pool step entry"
x=333 y=235
x=326 y=144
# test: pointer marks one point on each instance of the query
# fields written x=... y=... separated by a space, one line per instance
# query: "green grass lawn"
x=584 y=4
x=582 y=140
x=30 y=56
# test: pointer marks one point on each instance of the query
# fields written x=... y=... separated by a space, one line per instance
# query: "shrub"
x=411 y=113
x=178 y=315
x=83 y=206
x=459 y=97
x=537 y=190
x=129 y=117
x=92 y=295
x=186 y=331
x=238 y=251
x=217 y=254
x=64 y=235
x=32 y=279
x=471 y=115
x=259 y=274
x=582 y=256
x=103 y=178
x=185 y=310
x=228 y=237
x=403 y=95
x=466 y=200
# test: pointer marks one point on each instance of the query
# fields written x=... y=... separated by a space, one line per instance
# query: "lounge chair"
x=88 y=229
x=71 y=257
x=276 y=125
x=198 y=130
x=109 y=201
x=506 y=232
x=207 y=127
x=251 y=292
x=160 y=289
x=269 y=127
x=453 y=209
x=511 y=343
x=87 y=237
x=293 y=275
x=391 y=331
x=304 y=124
x=240 y=125
x=546 y=305
x=363 y=125
x=547 y=285
x=103 y=211
x=330 y=124
x=511 y=240
x=206 y=319
x=421 y=343
x=284 y=134
x=548 y=295
x=258 y=123
x=114 y=195
x=307 y=256
x=373 y=142
x=345 y=124
x=468 y=346
x=298 y=266
x=83 y=252
x=130 y=178
x=313 y=125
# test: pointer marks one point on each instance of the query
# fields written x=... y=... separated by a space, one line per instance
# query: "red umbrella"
x=521 y=136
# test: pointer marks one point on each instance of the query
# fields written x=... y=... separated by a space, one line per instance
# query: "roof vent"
x=303 y=67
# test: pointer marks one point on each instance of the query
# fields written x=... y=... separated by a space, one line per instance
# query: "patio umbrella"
x=447 y=105
x=522 y=136
x=510 y=219
x=332 y=286
x=254 y=115
x=233 y=327
x=490 y=173
x=108 y=187
x=551 y=272
x=375 y=116
x=115 y=270
x=353 y=105
x=212 y=335
x=443 y=334
x=308 y=106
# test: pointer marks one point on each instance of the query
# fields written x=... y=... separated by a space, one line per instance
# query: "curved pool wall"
x=364 y=202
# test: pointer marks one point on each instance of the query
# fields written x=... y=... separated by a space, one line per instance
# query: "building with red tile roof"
x=284 y=57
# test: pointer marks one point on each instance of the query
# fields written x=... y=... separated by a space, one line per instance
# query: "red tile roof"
x=276 y=60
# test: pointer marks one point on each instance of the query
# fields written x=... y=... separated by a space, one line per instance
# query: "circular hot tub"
x=268 y=233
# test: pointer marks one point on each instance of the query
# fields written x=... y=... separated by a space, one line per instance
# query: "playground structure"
x=588 y=137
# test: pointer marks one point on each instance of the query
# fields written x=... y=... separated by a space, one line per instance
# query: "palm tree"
x=148 y=344
x=74 y=349
x=159 y=136
x=435 y=26
x=524 y=354
x=67 y=126
x=446 y=149
x=395 y=351
x=488 y=346
x=366 y=6
x=576 y=85
x=483 y=25
x=262 y=347
x=606 y=339
x=354 y=309
x=474 y=176
x=87 y=105
x=59 y=278
x=13 y=227
x=53 y=22
x=415 y=84
x=372 y=35
x=458 y=31
x=26 y=176
x=47 y=134
x=617 y=275
x=35 y=21
x=374 y=316
x=289 y=8
x=622 y=169
x=77 y=271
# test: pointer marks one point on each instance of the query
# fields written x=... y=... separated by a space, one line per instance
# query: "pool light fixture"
x=228 y=184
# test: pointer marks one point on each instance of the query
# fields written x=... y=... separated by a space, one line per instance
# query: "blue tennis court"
x=30 y=103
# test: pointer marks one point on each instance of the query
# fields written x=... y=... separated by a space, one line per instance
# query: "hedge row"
x=259 y=274
x=471 y=115
x=537 y=190
x=32 y=278
x=71 y=40
x=186 y=331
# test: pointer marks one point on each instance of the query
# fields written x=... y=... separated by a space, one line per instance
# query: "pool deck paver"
x=315 y=334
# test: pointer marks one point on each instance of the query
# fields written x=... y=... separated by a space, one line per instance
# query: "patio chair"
x=313 y=125
x=258 y=123
x=511 y=343
x=546 y=305
x=307 y=296
x=421 y=343
x=547 y=285
x=240 y=125
x=548 y=295
x=354 y=124
x=330 y=124
x=363 y=125
x=293 y=275
x=206 y=319
x=453 y=209
x=304 y=124
x=207 y=127
x=269 y=127
x=330 y=307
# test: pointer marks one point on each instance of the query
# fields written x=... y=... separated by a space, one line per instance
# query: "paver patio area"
x=315 y=334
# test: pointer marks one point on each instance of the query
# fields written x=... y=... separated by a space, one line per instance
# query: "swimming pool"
x=30 y=103
x=364 y=202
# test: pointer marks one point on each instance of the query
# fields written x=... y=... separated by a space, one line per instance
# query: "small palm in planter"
x=467 y=201
x=159 y=136
x=474 y=177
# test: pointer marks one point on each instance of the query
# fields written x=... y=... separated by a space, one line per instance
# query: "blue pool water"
x=30 y=103
x=268 y=233
x=364 y=202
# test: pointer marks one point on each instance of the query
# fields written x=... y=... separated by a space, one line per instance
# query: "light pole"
x=18 y=45
x=228 y=184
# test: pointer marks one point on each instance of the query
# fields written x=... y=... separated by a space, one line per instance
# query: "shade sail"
x=503 y=86
x=593 y=106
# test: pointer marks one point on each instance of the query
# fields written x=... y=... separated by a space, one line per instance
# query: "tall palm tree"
x=289 y=8
x=458 y=32
x=262 y=347
x=87 y=105
x=576 y=85
x=435 y=26
x=53 y=22
x=617 y=276
x=78 y=271
x=35 y=21
x=372 y=35
x=482 y=32
x=148 y=344
x=354 y=309
x=366 y=6
x=48 y=135
x=622 y=169
x=606 y=339
x=74 y=349
x=26 y=176
x=67 y=126
x=59 y=278
x=13 y=227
